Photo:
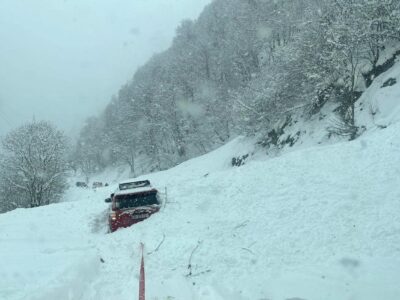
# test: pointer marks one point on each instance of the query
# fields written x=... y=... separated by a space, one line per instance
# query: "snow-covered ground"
x=317 y=223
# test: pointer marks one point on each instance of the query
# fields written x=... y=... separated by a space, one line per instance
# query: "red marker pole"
x=142 y=278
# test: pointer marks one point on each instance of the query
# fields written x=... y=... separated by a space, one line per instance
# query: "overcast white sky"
x=62 y=60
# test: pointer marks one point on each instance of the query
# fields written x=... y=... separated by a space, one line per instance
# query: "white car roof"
x=130 y=181
x=135 y=190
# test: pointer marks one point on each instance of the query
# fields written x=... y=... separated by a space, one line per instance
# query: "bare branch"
x=190 y=258
x=158 y=247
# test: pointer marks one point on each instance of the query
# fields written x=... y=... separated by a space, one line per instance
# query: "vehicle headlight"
x=113 y=216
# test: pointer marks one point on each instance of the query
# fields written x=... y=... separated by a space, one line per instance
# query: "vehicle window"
x=132 y=200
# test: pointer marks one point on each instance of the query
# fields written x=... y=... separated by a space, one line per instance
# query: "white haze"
x=62 y=60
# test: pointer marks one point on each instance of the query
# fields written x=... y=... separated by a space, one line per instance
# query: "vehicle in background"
x=132 y=202
x=97 y=184
x=81 y=184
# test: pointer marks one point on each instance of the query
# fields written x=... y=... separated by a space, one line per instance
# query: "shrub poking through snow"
x=239 y=160
x=389 y=82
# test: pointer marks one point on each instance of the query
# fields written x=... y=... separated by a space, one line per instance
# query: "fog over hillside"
x=63 y=60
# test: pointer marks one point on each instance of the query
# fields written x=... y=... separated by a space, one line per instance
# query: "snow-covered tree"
x=238 y=69
x=91 y=154
x=33 y=166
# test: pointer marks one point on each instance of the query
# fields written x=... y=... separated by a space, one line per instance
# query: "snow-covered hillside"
x=317 y=223
x=378 y=107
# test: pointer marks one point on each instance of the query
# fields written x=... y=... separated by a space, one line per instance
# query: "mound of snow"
x=379 y=106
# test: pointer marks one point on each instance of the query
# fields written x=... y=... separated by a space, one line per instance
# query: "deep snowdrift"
x=317 y=223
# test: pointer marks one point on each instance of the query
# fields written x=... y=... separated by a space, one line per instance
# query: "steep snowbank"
x=317 y=223
x=379 y=106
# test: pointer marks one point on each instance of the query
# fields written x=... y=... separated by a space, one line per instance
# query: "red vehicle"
x=131 y=203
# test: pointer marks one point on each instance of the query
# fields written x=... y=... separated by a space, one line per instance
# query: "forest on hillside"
x=239 y=68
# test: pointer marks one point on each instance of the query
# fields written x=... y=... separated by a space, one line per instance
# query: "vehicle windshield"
x=135 y=200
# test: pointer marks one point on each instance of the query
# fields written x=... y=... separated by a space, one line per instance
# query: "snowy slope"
x=379 y=106
x=316 y=223
x=320 y=223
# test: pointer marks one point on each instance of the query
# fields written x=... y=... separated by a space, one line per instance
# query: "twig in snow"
x=159 y=245
x=251 y=245
x=248 y=250
x=241 y=225
x=165 y=194
x=201 y=273
x=166 y=198
x=191 y=256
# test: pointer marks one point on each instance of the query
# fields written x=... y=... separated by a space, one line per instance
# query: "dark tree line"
x=243 y=65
